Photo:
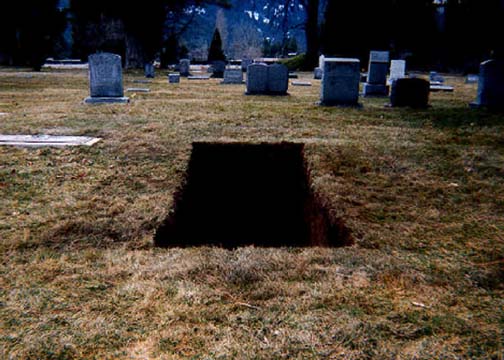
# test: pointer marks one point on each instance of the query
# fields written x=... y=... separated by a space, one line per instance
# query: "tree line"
x=445 y=34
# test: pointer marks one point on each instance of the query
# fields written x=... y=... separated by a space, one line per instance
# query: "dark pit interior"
x=238 y=194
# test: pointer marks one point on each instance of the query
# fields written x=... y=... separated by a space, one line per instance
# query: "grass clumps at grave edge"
x=422 y=192
x=294 y=63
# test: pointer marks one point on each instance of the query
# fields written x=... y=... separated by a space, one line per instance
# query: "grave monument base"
x=106 y=100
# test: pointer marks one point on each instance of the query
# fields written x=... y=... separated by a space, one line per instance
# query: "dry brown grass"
x=422 y=190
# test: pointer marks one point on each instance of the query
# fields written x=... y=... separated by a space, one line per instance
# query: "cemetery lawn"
x=421 y=190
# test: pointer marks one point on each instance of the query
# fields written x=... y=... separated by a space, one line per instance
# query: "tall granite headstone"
x=184 y=67
x=412 y=92
x=491 y=85
x=149 y=70
x=105 y=79
x=376 y=84
x=257 y=79
x=340 y=82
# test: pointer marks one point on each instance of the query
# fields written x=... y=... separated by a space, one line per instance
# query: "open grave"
x=239 y=194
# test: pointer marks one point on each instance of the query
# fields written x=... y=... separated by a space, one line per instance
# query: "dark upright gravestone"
x=218 y=68
x=377 y=74
x=184 y=67
x=412 y=92
x=491 y=85
x=149 y=70
x=265 y=79
x=340 y=82
x=257 y=79
x=105 y=79
x=278 y=79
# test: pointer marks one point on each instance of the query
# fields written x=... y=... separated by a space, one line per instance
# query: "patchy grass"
x=422 y=191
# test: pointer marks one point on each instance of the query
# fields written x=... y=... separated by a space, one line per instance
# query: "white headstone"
x=397 y=70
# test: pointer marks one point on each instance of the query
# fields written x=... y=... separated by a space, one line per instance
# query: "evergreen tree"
x=215 y=53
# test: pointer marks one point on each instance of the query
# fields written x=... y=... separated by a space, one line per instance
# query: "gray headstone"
x=245 y=64
x=257 y=79
x=149 y=70
x=184 y=67
x=435 y=78
x=174 y=78
x=397 y=70
x=409 y=92
x=105 y=79
x=340 y=82
x=233 y=75
x=317 y=73
x=377 y=74
x=278 y=79
x=491 y=85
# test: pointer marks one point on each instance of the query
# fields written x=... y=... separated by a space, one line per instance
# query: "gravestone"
x=444 y=88
x=376 y=84
x=491 y=85
x=233 y=75
x=278 y=79
x=397 y=70
x=472 y=79
x=149 y=70
x=257 y=79
x=139 y=90
x=317 y=73
x=174 y=78
x=198 y=77
x=435 y=78
x=105 y=79
x=218 y=68
x=293 y=75
x=321 y=61
x=265 y=79
x=412 y=92
x=340 y=82
x=245 y=64
x=301 y=83
x=184 y=67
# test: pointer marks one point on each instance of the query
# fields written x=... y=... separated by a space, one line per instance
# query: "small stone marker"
x=47 y=140
x=174 y=78
x=377 y=74
x=301 y=83
x=184 y=67
x=149 y=70
x=233 y=75
x=412 y=92
x=340 y=82
x=265 y=79
x=105 y=79
x=397 y=70
x=318 y=73
x=142 y=81
x=491 y=85
x=140 y=90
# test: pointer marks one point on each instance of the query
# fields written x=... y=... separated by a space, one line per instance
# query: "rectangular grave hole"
x=240 y=194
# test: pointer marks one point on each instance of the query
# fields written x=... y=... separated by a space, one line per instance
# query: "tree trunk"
x=135 y=53
x=312 y=33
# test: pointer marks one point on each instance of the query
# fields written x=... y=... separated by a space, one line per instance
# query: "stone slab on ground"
x=106 y=100
x=301 y=83
x=47 y=140
x=142 y=81
x=198 y=77
x=445 y=88
x=140 y=90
